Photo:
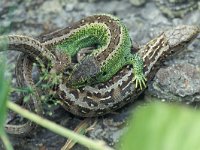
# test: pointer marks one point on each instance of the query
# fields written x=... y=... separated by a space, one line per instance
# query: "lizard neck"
x=153 y=54
x=169 y=43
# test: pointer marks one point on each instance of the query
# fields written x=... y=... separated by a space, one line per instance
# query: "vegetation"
x=4 y=89
x=160 y=126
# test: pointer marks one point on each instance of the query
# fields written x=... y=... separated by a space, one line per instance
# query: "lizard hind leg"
x=139 y=77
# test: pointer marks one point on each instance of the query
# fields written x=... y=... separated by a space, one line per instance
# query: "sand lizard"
x=105 y=97
x=39 y=53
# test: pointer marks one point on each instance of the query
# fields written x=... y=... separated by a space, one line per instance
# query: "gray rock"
x=137 y=2
x=179 y=82
x=176 y=8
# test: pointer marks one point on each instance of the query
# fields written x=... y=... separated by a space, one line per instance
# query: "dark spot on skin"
x=101 y=86
x=55 y=88
x=75 y=93
x=81 y=90
x=85 y=82
x=83 y=109
x=104 y=73
x=145 y=68
x=90 y=102
x=107 y=94
x=98 y=95
x=98 y=58
x=89 y=94
x=171 y=52
x=62 y=95
x=107 y=101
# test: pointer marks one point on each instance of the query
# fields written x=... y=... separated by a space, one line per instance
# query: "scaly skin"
x=103 y=98
x=106 y=97
x=28 y=46
x=33 y=48
x=44 y=57
x=113 y=51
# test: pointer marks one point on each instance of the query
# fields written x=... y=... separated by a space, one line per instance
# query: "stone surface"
x=137 y=2
x=179 y=82
x=176 y=8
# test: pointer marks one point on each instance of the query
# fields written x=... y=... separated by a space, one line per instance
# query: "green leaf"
x=4 y=89
x=160 y=126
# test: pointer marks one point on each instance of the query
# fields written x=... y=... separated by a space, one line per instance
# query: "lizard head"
x=180 y=37
x=83 y=72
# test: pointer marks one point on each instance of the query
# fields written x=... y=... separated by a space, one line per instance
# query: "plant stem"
x=6 y=141
x=91 y=144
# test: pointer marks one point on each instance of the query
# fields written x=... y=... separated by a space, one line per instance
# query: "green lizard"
x=113 y=49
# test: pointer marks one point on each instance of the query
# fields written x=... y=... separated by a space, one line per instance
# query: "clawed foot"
x=140 y=81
